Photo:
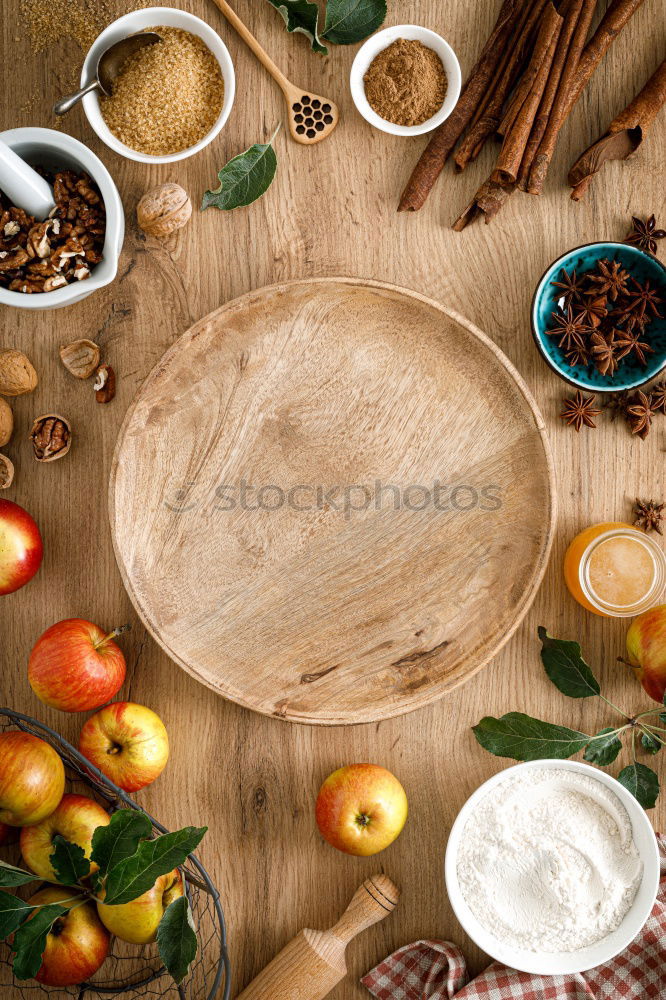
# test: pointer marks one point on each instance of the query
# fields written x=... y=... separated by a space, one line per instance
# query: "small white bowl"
x=560 y=963
x=139 y=20
x=381 y=40
x=57 y=150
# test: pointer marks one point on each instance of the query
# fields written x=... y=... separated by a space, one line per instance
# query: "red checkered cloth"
x=436 y=970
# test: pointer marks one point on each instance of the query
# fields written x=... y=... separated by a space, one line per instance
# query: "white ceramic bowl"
x=139 y=20
x=46 y=147
x=381 y=40
x=560 y=963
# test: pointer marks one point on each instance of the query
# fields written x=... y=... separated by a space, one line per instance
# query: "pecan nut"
x=105 y=384
x=51 y=437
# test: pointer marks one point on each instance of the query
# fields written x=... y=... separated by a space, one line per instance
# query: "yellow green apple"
x=137 y=921
x=127 y=742
x=32 y=778
x=646 y=648
x=75 y=818
x=77 y=943
x=361 y=809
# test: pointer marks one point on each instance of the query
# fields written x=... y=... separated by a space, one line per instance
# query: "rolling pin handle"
x=372 y=901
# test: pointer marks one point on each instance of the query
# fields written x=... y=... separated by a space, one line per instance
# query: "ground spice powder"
x=406 y=83
x=167 y=96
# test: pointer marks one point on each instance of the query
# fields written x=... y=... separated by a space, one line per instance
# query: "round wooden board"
x=276 y=512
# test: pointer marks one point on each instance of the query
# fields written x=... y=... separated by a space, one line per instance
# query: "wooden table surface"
x=331 y=211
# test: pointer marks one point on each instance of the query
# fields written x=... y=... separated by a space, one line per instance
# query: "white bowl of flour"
x=552 y=867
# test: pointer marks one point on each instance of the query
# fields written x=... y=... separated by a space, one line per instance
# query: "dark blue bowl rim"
x=537 y=339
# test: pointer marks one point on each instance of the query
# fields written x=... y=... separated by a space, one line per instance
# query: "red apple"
x=361 y=809
x=32 y=778
x=76 y=666
x=138 y=920
x=76 y=818
x=127 y=742
x=20 y=547
x=646 y=647
x=77 y=943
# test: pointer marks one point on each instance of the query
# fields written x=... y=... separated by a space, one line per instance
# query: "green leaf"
x=523 y=738
x=349 y=21
x=662 y=717
x=604 y=747
x=136 y=875
x=243 y=179
x=303 y=16
x=9 y=875
x=650 y=742
x=566 y=667
x=13 y=912
x=119 y=840
x=30 y=940
x=177 y=939
x=642 y=782
x=69 y=861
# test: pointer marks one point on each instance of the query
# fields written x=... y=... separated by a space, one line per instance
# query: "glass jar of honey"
x=615 y=570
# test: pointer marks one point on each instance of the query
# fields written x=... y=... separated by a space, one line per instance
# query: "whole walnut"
x=6 y=422
x=163 y=210
x=17 y=374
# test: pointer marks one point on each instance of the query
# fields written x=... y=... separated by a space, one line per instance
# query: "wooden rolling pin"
x=314 y=961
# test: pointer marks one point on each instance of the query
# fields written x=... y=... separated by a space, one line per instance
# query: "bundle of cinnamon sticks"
x=527 y=79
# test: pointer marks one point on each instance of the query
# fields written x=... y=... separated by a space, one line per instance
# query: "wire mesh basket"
x=131 y=971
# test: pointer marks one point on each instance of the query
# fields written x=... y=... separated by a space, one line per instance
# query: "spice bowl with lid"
x=537 y=868
x=380 y=41
x=56 y=151
x=154 y=18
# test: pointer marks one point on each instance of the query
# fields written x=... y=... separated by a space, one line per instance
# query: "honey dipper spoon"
x=311 y=117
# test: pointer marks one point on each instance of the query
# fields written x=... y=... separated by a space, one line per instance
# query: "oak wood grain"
x=330 y=211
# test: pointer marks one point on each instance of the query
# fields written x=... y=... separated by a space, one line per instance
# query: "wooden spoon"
x=311 y=117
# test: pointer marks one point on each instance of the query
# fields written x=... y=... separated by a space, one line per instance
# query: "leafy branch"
x=523 y=738
x=125 y=862
x=346 y=21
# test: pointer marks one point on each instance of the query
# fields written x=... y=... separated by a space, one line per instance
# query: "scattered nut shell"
x=17 y=375
x=51 y=437
x=6 y=472
x=6 y=422
x=80 y=358
x=105 y=384
x=163 y=210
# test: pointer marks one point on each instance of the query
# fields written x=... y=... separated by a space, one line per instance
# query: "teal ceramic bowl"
x=631 y=373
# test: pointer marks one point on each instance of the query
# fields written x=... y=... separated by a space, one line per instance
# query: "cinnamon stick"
x=517 y=134
x=444 y=138
x=624 y=134
x=487 y=201
x=488 y=121
x=578 y=69
x=572 y=15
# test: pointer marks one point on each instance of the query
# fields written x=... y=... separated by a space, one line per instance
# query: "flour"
x=547 y=861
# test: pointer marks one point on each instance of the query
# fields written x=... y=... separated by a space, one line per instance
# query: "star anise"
x=579 y=410
x=630 y=340
x=658 y=393
x=571 y=286
x=570 y=329
x=644 y=235
x=611 y=280
x=578 y=356
x=617 y=403
x=648 y=514
x=639 y=414
x=604 y=352
x=593 y=310
x=642 y=304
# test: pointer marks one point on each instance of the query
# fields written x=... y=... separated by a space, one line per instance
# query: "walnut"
x=80 y=358
x=13 y=259
x=38 y=240
x=28 y=285
x=163 y=210
x=57 y=281
x=6 y=472
x=11 y=229
x=6 y=422
x=51 y=437
x=17 y=375
x=105 y=384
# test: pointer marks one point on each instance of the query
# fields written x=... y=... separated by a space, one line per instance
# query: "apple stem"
x=112 y=635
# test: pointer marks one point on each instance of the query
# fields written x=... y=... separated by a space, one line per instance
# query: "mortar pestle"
x=58 y=151
x=23 y=186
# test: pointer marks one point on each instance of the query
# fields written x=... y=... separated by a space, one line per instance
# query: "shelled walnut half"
x=51 y=437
